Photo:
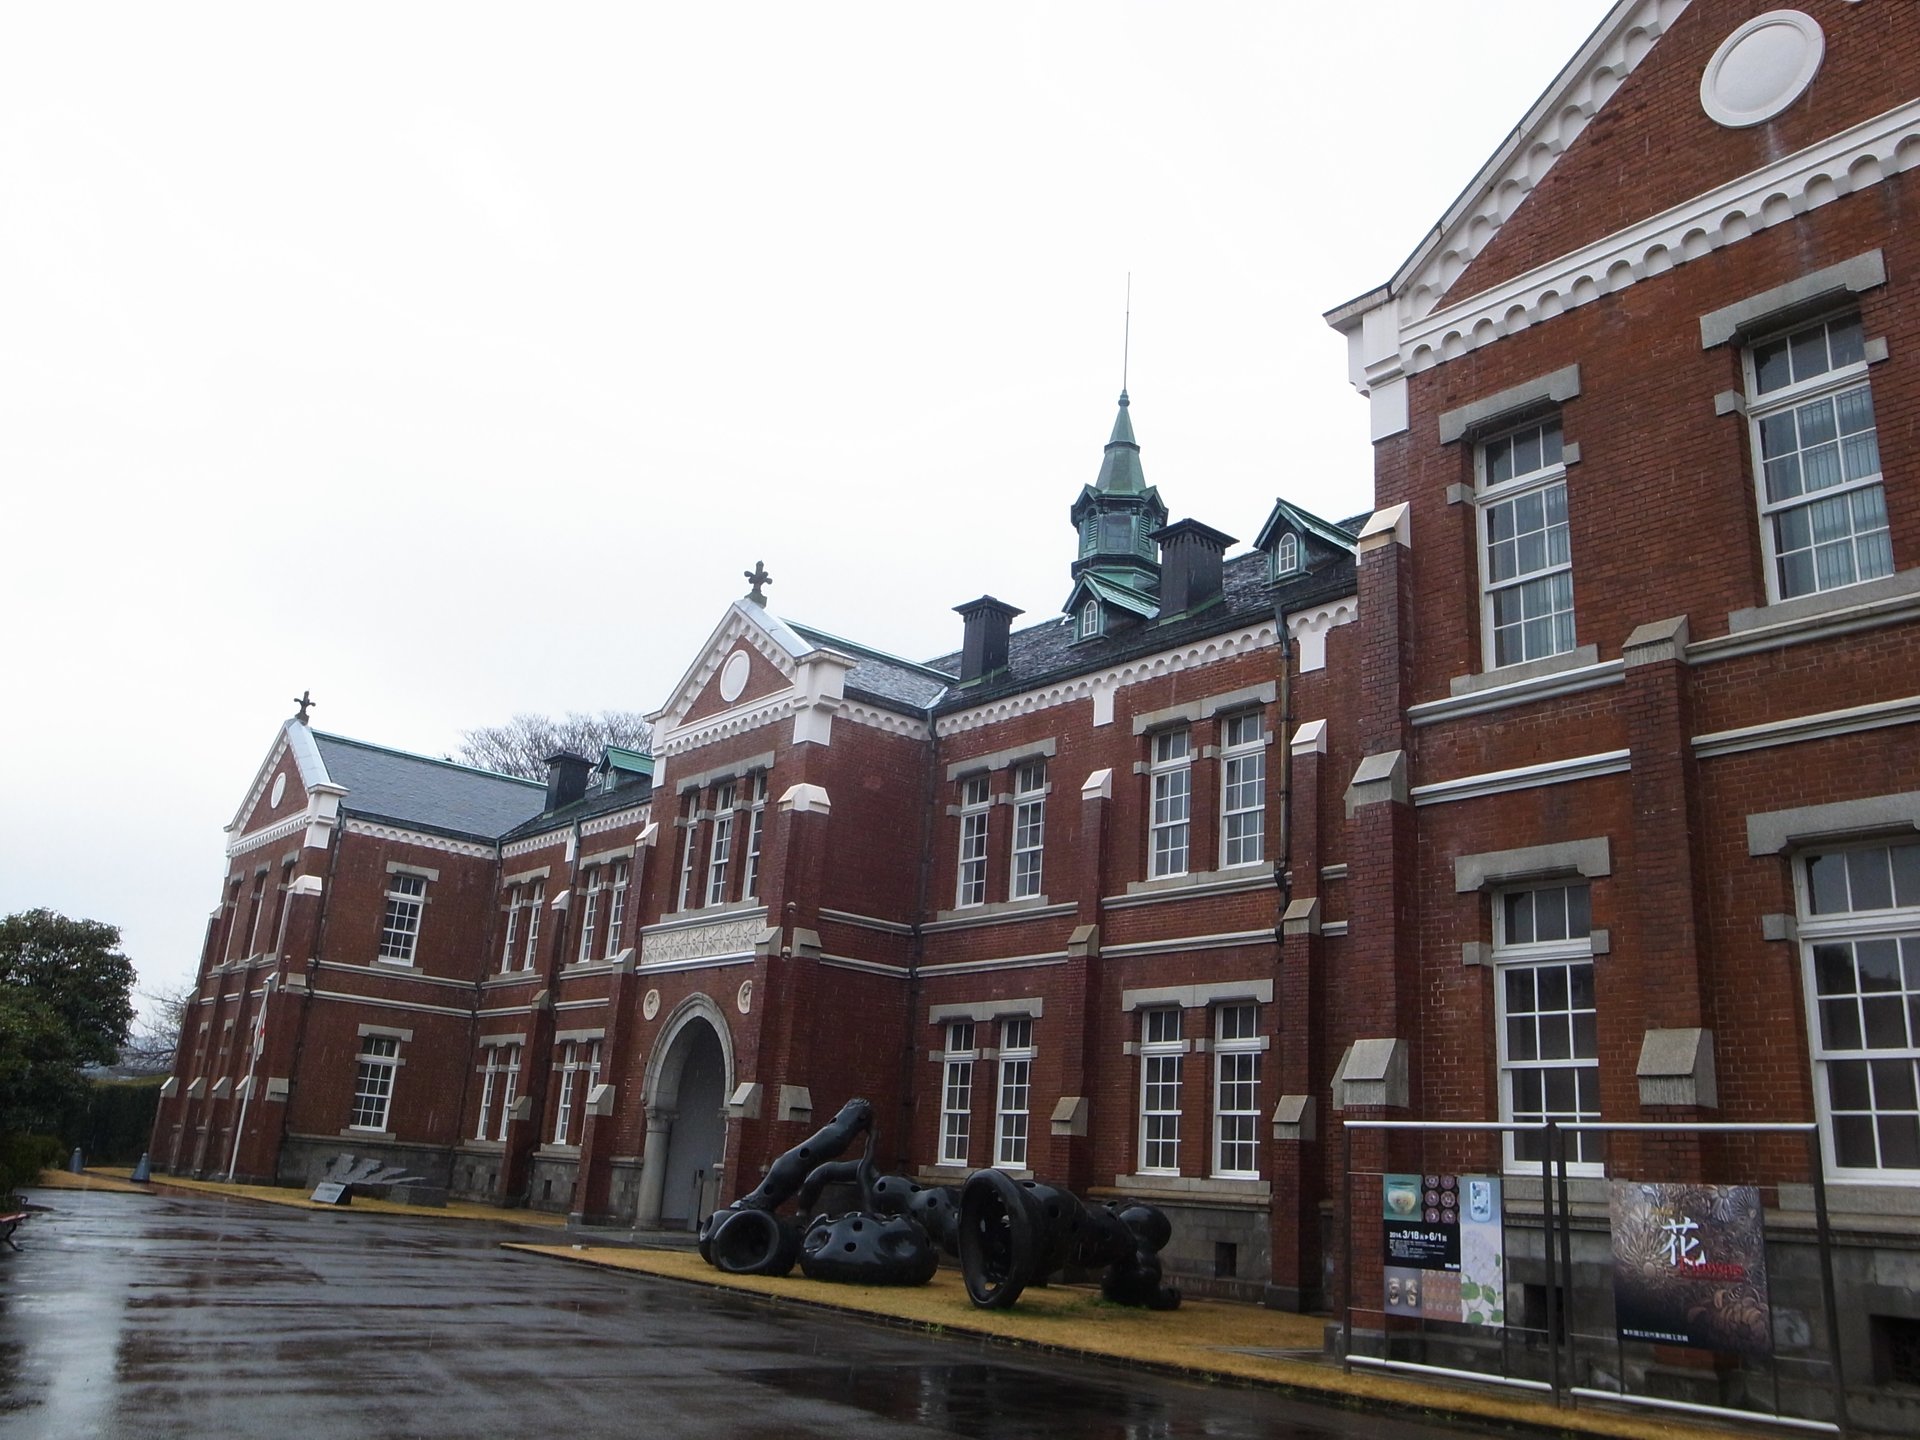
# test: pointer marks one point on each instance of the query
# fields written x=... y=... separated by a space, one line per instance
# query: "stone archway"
x=688 y=1082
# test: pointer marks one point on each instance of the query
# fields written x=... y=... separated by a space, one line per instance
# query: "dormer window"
x=1089 y=619
x=1286 y=554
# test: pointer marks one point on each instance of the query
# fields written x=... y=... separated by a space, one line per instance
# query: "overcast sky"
x=455 y=360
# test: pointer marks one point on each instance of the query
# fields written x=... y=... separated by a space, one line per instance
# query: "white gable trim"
x=1383 y=354
x=1099 y=685
x=1613 y=52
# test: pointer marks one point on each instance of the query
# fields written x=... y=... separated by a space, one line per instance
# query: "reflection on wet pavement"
x=135 y=1316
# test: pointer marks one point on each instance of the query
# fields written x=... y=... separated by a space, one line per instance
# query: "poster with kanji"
x=1690 y=1265
x=1443 y=1248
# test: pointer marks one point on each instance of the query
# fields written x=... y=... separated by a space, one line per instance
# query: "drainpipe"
x=1283 y=860
x=916 y=943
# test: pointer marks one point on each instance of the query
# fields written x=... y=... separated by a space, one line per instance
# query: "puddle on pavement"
x=1008 y=1402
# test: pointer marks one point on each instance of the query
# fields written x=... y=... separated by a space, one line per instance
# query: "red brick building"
x=1642 y=652
x=1030 y=897
x=1576 y=783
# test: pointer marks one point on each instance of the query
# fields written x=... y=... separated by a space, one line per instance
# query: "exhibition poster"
x=1443 y=1255
x=1690 y=1265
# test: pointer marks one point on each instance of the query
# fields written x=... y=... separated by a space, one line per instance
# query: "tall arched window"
x=1089 y=619
x=1286 y=554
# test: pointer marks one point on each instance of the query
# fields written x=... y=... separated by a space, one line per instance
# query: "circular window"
x=1762 y=68
x=279 y=788
x=733 y=676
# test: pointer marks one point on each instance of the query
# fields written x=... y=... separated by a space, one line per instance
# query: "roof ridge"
x=441 y=761
x=871 y=652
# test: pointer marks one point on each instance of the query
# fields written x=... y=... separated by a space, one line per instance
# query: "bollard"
x=143 y=1172
x=78 y=1162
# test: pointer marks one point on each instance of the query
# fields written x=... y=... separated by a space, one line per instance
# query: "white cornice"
x=886 y=721
x=465 y=1012
x=532 y=844
x=420 y=838
x=616 y=820
x=1190 y=942
x=1552 y=686
x=981 y=967
x=1099 y=685
x=1825 y=725
x=1841 y=165
x=285 y=830
x=1524 y=777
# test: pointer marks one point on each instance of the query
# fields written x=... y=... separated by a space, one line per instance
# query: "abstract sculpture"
x=1016 y=1233
x=885 y=1242
x=1007 y=1234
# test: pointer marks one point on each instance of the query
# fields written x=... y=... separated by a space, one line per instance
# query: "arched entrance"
x=687 y=1088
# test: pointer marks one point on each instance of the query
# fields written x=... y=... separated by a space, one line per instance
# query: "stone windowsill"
x=1577 y=658
x=1812 y=609
x=1030 y=908
x=1196 y=882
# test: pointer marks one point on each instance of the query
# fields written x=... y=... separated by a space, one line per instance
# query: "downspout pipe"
x=916 y=943
x=1283 y=857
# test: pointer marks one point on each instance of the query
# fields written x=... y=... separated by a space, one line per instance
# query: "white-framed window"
x=956 y=1093
x=720 y=852
x=373 y=1081
x=1016 y=1085
x=1029 y=827
x=510 y=1086
x=1162 y=1052
x=975 y=799
x=515 y=901
x=1549 y=1046
x=589 y=913
x=1236 y=1089
x=617 y=906
x=1089 y=619
x=1286 y=554
x=689 y=832
x=1526 y=560
x=400 y=931
x=498 y=1075
x=1823 y=510
x=536 y=902
x=577 y=1060
x=1243 y=789
x=1860 y=947
x=1171 y=780
x=756 y=832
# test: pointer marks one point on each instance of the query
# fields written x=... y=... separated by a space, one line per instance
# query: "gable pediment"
x=771 y=655
x=283 y=784
x=1496 y=195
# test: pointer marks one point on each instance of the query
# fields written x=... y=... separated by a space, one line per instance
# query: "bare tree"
x=522 y=745
x=156 y=1032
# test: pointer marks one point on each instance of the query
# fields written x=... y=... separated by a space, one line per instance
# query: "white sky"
x=455 y=360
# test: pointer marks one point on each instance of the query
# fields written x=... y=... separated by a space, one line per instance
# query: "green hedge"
x=22 y=1158
x=112 y=1122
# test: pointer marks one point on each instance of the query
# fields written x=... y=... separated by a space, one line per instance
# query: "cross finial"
x=759 y=579
x=304 y=701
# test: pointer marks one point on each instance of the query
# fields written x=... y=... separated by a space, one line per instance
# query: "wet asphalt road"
x=130 y=1316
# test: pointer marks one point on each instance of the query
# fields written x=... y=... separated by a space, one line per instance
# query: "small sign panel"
x=332 y=1192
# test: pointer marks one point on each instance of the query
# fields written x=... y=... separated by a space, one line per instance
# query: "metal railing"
x=1561 y=1341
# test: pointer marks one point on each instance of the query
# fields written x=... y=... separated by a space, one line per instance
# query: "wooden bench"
x=9 y=1224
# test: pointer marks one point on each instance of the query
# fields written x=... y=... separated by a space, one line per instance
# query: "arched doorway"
x=686 y=1118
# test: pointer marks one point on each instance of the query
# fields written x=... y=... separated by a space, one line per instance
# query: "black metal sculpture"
x=1007 y=1234
x=1015 y=1233
x=885 y=1242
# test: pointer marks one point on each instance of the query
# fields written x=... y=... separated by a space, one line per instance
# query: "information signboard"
x=1442 y=1248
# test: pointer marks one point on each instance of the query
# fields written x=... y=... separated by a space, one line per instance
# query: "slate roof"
x=594 y=802
x=1051 y=649
x=885 y=679
x=426 y=794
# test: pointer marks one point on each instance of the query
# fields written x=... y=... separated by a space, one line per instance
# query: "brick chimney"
x=1189 y=566
x=984 y=649
x=566 y=778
